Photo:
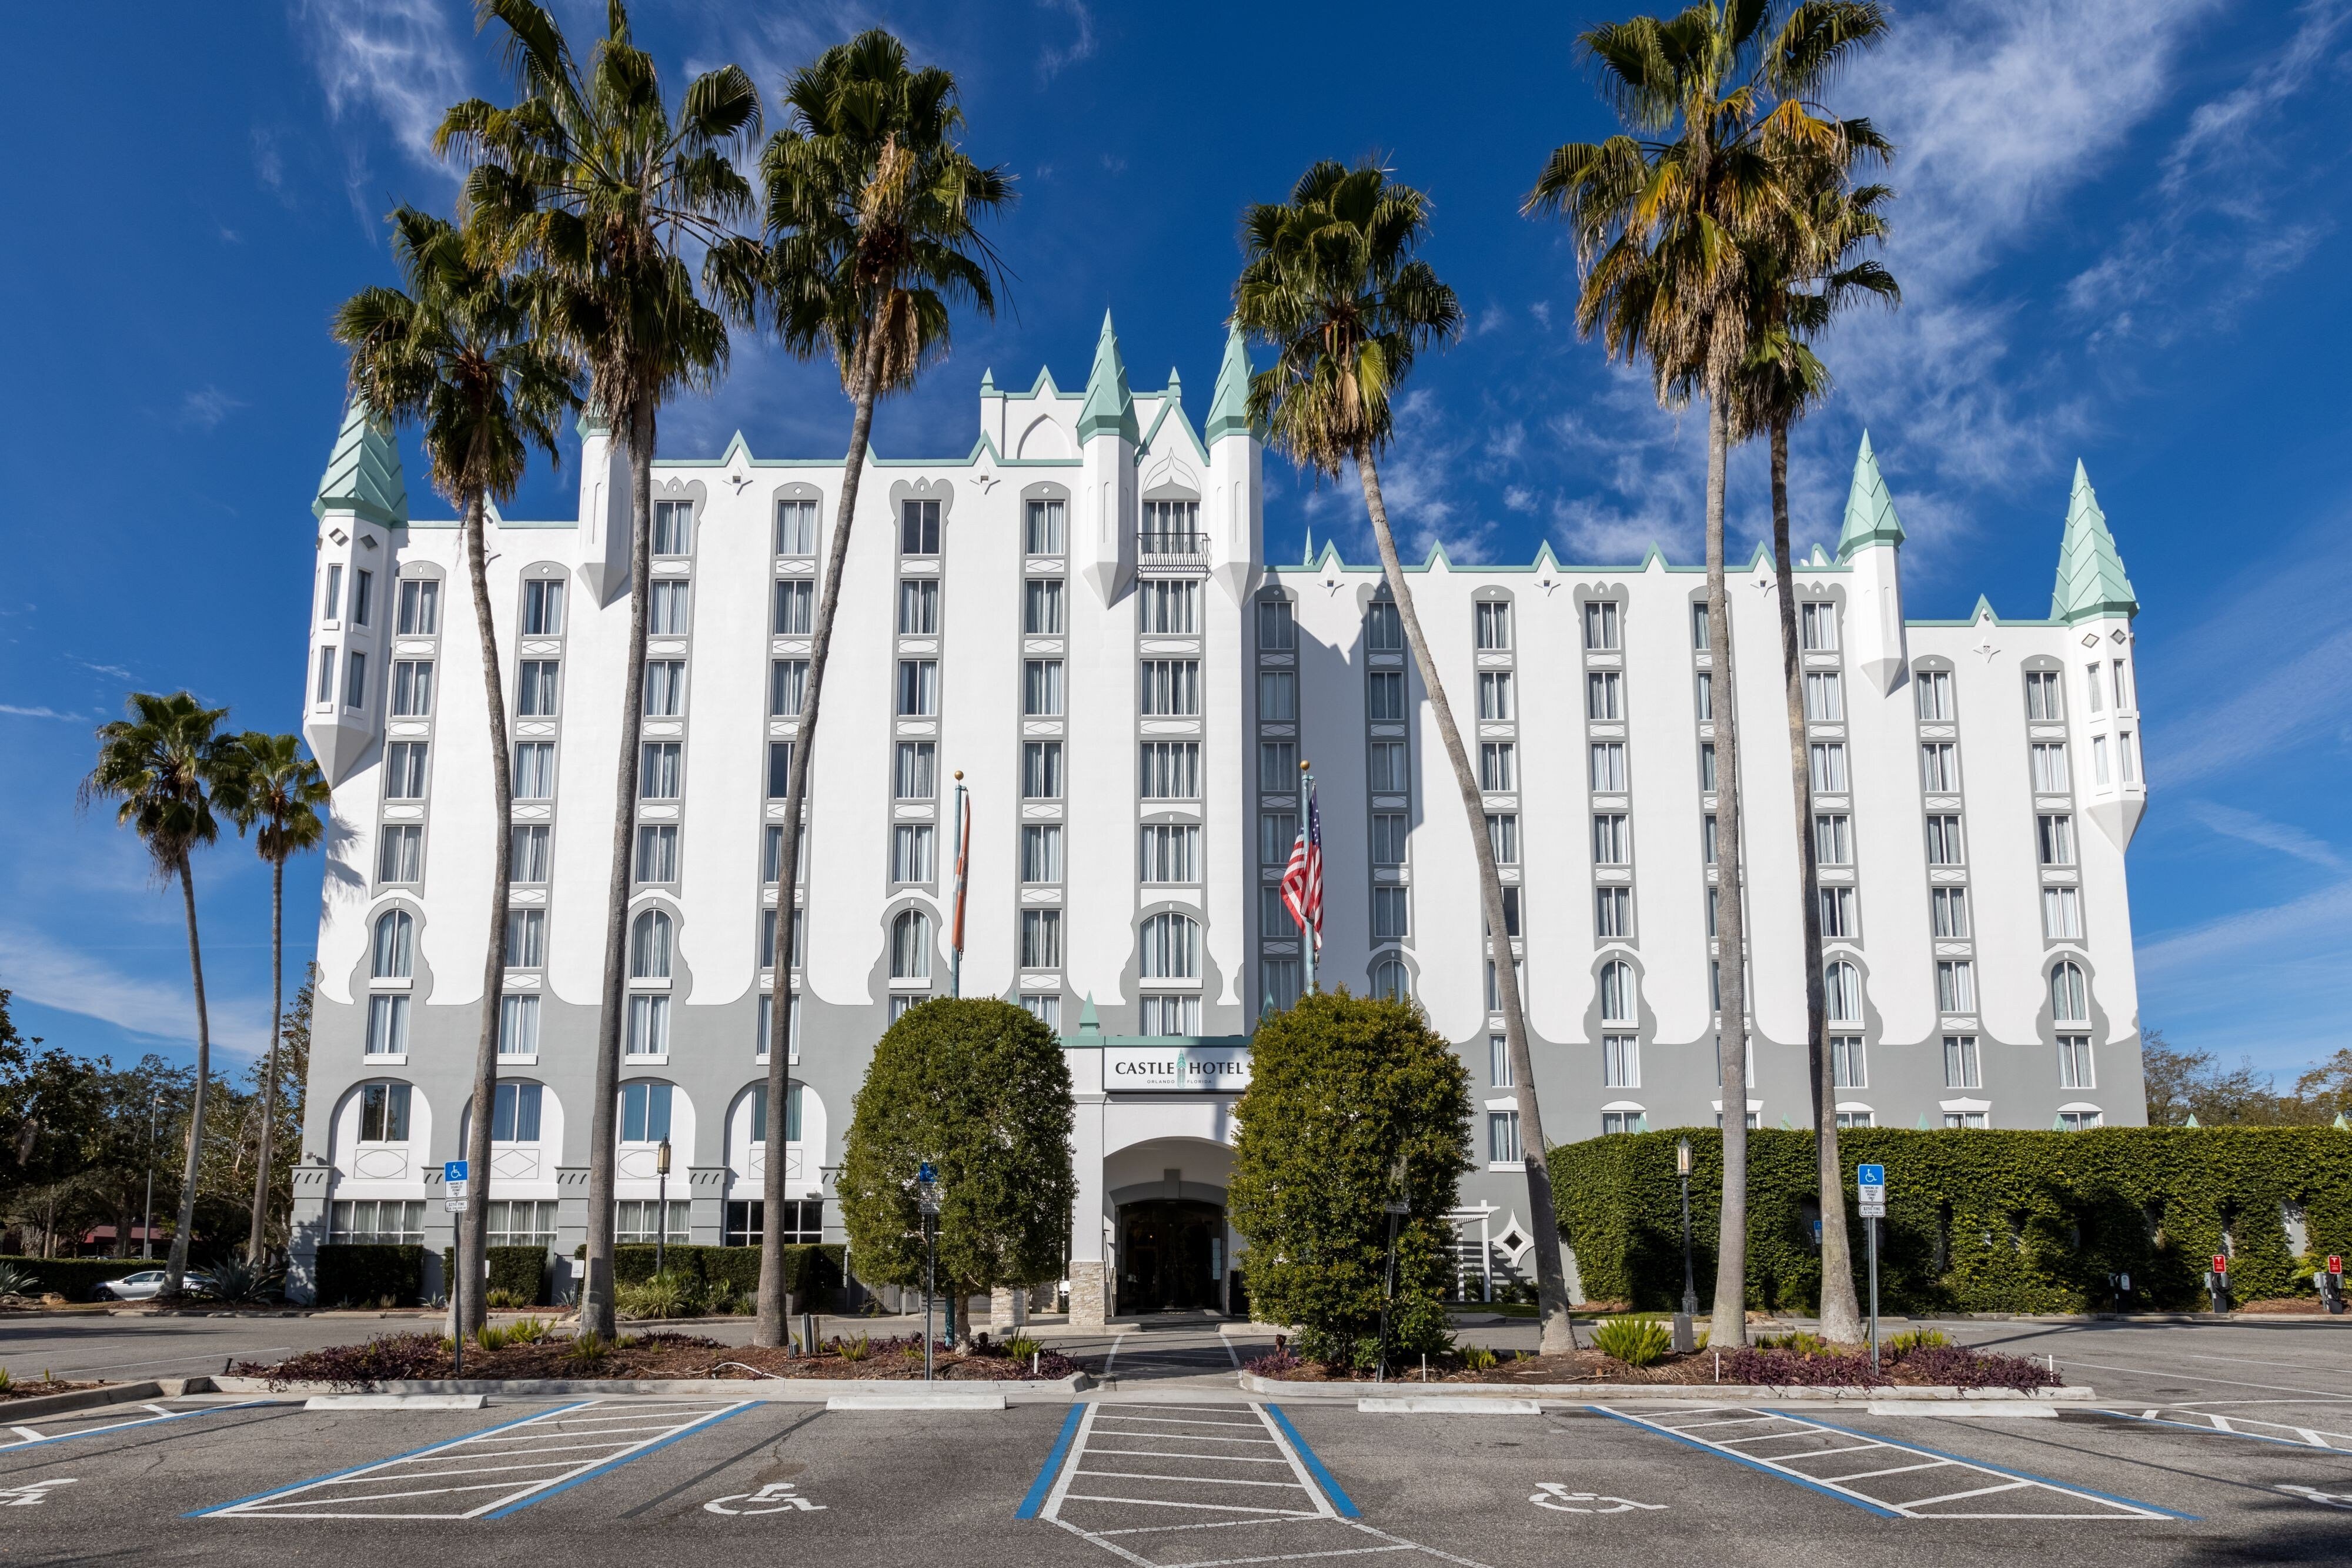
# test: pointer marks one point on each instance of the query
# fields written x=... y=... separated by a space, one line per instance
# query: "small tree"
x=980 y=1089
x=1340 y=1088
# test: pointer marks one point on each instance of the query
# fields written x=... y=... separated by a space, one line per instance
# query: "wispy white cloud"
x=205 y=407
x=401 y=62
x=42 y=971
x=2248 y=827
x=1081 y=46
x=36 y=712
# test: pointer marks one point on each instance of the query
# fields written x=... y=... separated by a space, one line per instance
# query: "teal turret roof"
x=1869 y=517
x=1229 y=403
x=2091 y=579
x=362 y=475
x=1109 y=407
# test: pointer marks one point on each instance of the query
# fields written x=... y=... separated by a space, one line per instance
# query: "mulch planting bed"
x=1932 y=1366
x=423 y=1356
x=28 y=1388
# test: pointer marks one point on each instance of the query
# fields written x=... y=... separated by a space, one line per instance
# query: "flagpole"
x=1305 y=932
x=963 y=848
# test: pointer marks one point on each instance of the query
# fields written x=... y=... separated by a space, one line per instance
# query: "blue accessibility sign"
x=1870 y=1175
x=453 y=1170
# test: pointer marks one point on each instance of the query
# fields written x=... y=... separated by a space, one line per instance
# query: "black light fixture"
x=1685 y=1336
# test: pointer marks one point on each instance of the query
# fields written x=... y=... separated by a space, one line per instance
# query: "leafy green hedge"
x=808 y=1270
x=1978 y=1220
x=361 y=1274
x=75 y=1278
x=522 y=1270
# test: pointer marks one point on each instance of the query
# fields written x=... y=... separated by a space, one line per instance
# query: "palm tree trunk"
x=773 y=1324
x=473 y=1231
x=1840 y=1315
x=604 y=1152
x=1729 y=1323
x=255 y=1240
x=176 y=1267
x=1552 y=1279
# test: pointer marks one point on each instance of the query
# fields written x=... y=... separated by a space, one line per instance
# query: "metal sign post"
x=453 y=1198
x=1870 y=1187
x=926 y=1201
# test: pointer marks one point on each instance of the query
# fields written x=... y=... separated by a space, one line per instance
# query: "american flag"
x=1302 y=881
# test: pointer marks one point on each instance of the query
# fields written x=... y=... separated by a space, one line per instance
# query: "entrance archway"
x=1171 y=1256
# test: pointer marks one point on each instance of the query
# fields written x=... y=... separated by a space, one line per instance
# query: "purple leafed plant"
x=1961 y=1368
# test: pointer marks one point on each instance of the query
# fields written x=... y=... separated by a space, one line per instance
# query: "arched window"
x=649 y=943
x=396 y=943
x=1171 y=948
x=1842 y=993
x=1620 y=994
x=760 y=1114
x=2070 y=1002
x=1390 y=983
x=911 y=947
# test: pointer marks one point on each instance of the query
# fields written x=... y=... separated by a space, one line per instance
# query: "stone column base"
x=1008 y=1309
x=1089 y=1295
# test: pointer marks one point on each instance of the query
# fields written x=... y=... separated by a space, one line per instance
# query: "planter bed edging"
x=79 y=1399
x=1582 y=1392
x=774 y=1390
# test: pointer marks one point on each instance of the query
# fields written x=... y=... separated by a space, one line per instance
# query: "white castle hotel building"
x=1077 y=615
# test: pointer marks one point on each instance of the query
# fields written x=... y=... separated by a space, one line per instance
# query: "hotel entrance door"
x=1171 y=1253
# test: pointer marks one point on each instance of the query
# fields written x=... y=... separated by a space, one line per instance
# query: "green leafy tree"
x=279 y=794
x=871 y=214
x=1716 y=103
x=1342 y=1088
x=162 y=765
x=590 y=179
x=1803 y=268
x=1330 y=279
x=456 y=351
x=980 y=1088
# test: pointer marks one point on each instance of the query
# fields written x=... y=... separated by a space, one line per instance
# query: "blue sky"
x=2121 y=233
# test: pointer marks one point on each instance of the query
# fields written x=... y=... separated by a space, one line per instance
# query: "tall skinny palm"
x=1804 y=269
x=1330 y=281
x=277 y=796
x=1717 y=101
x=590 y=178
x=871 y=207
x=162 y=766
x=457 y=352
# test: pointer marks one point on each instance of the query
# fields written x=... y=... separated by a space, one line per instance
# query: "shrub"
x=73 y=1277
x=1911 y=1340
x=1342 y=1087
x=587 y=1351
x=811 y=1272
x=663 y=1296
x=362 y=1274
x=1274 y=1362
x=1964 y=1368
x=17 y=1281
x=1976 y=1220
x=235 y=1281
x=1636 y=1342
x=1478 y=1358
x=856 y=1349
x=520 y=1274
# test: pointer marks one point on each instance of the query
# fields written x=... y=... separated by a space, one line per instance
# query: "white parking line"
x=517 y=1463
x=33 y=1436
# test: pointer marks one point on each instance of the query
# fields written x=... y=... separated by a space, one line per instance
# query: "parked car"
x=146 y=1284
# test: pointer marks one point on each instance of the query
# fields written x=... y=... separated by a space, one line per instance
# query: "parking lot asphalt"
x=2210 y=1445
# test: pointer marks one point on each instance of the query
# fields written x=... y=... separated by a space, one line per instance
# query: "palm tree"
x=458 y=354
x=278 y=791
x=1803 y=270
x=166 y=765
x=590 y=178
x=1717 y=100
x=1330 y=281
x=871 y=213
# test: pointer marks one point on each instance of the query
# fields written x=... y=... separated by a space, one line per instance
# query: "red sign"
x=2335 y=1264
x=2221 y=1264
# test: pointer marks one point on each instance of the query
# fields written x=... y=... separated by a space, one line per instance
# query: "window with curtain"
x=1620 y=1062
x=645 y=1112
x=420 y=608
x=542 y=607
x=1620 y=993
x=526 y=938
x=1600 y=626
x=1043 y=533
x=387 y=1026
x=1277 y=626
x=1841 y=992
x=519 y=1027
x=395 y=939
x=649 y=946
x=911 y=947
x=673 y=527
x=514 y=1115
x=666 y=611
x=383 y=1113
x=1383 y=629
x=1170 y=948
x=1390 y=981
x=1040 y=607
x=1041 y=938
x=1503 y=1137
x=648 y=1031
x=795 y=528
x=2070 y=999
x=795 y=608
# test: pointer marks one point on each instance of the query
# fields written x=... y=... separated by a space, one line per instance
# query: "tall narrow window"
x=780 y=769
x=1934 y=689
x=1700 y=633
x=354 y=678
x=1494 y=626
x=1824 y=698
x=1620 y=1062
x=1956 y=986
x=1838 y=913
x=1613 y=838
x=918 y=770
x=1277 y=767
x=542 y=607
x=1494 y=696
x=1387 y=837
x=648 y=1033
x=1849 y=1068
x=2091 y=685
x=1842 y=993
x=910 y=852
x=400 y=856
x=1041 y=852
x=526 y=938
x=404 y=770
x=526 y=857
x=1620 y=994
x=2050 y=768
x=1497 y=772
x=2054 y=835
x=518 y=1036
x=1498 y=1061
x=919 y=607
x=1277 y=695
x=1041 y=938
x=412 y=689
x=1041 y=688
x=666 y=612
x=1828 y=762
x=649 y=946
x=1044 y=536
x=1383 y=629
x=331 y=602
x=1608 y=766
x=2062 y=914
x=1040 y=607
x=1384 y=695
x=1949 y=907
x=1503 y=834
x=1960 y=1064
x=673 y=527
x=1390 y=771
x=2074 y=1069
x=919 y=688
x=395 y=946
x=1276 y=831
x=1503 y=1137
x=1041 y=770
x=665 y=688
x=919 y=528
x=387 y=1026
x=363 y=607
x=2070 y=999
x=1277 y=626
x=1601 y=635
x=1707 y=781
x=1612 y=911
x=796 y=611
x=911 y=947
x=787 y=687
x=536 y=692
x=324 y=693
x=658 y=768
x=1939 y=766
x=1392 y=981
x=796 y=527
x=420 y=608
x=1819 y=627
x=1704 y=696
x=656 y=852
x=2126 y=752
x=1945 y=846
x=1832 y=839
x=1604 y=695
x=1391 y=915
x=2045 y=696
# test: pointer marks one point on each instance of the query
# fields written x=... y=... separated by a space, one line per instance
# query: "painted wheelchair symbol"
x=31 y=1495
x=776 y=1497
x=1554 y=1495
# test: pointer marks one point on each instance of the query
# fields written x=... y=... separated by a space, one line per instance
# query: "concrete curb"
x=1580 y=1393
x=773 y=1390
x=917 y=1398
x=81 y=1399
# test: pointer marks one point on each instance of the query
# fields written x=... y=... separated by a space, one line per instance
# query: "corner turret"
x=1104 y=551
x=1870 y=545
x=361 y=501
x=2095 y=599
x=1237 y=513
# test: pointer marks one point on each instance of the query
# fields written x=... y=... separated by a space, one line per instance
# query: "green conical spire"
x=362 y=475
x=1869 y=517
x=1229 y=403
x=1087 y=1022
x=2091 y=579
x=1109 y=407
x=1308 y=558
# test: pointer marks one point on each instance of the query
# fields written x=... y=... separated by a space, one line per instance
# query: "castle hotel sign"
x=1181 y=1068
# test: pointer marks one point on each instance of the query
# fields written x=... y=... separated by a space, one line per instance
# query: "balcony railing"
x=1164 y=549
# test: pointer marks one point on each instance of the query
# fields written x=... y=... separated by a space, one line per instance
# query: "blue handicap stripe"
x=1340 y=1500
x=354 y=1470
x=127 y=1425
x=1044 y=1485
x=611 y=1465
x=1751 y=1464
x=1988 y=1465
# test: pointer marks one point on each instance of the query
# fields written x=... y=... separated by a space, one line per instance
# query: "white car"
x=146 y=1284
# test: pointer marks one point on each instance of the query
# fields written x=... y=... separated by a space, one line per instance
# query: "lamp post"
x=661 y=1209
x=1685 y=1337
x=927 y=1200
x=1397 y=1208
x=147 y=1225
